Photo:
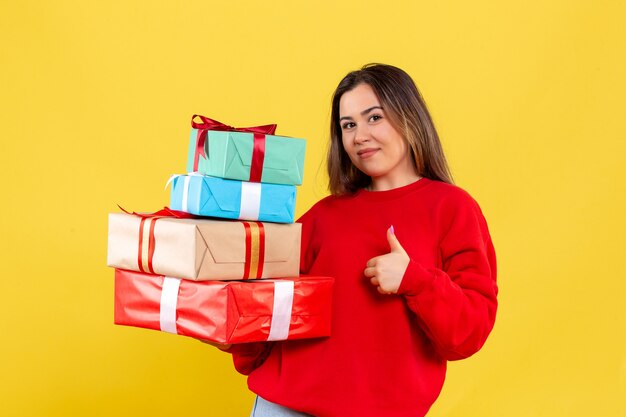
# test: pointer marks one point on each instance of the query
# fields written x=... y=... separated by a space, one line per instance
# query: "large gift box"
x=225 y=311
x=249 y=154
x=231 y=199
x=203 y=249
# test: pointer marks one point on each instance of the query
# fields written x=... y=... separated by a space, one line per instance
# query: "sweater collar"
x=393 y=193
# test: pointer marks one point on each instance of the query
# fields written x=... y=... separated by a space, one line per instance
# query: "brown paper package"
x=201 y=249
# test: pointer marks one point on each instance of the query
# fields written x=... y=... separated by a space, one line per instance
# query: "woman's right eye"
x=348 y=125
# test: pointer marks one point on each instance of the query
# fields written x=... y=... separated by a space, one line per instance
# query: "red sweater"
x=387 y=353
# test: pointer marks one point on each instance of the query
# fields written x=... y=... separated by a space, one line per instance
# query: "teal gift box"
x=231 y=199
x=246 y=154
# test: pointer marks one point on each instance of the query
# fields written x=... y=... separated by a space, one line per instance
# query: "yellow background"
x=96 y=99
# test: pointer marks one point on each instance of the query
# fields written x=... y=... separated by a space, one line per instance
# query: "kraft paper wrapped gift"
x=203 y=249
x=231 y=199
x=225 y=311
x=252 y=155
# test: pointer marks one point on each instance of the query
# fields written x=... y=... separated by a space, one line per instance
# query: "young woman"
x=412 y=258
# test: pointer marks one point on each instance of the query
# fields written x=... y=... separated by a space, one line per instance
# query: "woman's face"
x=374 y=146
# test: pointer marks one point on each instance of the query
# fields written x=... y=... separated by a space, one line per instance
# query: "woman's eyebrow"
x=363 y=113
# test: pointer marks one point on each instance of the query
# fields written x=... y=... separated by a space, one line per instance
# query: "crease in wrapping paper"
x=224 y=312
x=233 y=310
x=181 y=247
x=202 y=251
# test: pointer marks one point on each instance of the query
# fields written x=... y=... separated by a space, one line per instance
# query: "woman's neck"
x=385 y=184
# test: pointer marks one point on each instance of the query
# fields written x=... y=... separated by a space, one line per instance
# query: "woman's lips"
x=366 y=153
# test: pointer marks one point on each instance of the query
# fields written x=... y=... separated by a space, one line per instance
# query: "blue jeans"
x=264 y=408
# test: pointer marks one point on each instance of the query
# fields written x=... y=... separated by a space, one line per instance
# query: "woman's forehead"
x=360 y=98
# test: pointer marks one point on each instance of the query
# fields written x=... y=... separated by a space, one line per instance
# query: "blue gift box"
x=203 y=195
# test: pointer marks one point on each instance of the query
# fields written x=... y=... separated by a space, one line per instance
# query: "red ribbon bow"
x=164 y=212
x=147 y=246
x=258 y=151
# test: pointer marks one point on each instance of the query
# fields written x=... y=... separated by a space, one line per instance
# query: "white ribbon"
x=169 y=298
x=185 y=202
x=281 y=313
x=250 y=200
x=172 y=177
x=167 y=184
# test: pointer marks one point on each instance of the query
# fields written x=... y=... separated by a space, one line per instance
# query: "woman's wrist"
x=220 y=346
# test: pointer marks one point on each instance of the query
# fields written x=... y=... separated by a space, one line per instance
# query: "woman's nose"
x=361 y=134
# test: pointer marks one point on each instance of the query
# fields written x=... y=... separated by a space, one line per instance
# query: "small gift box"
x=252 y=154
x=203 y=249
x=225 y=311
x=231 y=199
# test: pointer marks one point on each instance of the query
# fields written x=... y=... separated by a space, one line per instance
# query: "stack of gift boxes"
x=222 y=263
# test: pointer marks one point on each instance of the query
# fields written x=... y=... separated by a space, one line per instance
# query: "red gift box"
x=225 y=311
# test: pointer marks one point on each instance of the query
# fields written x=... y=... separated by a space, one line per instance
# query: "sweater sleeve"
x=456 y=305
x=308 y=252
x=249 y=356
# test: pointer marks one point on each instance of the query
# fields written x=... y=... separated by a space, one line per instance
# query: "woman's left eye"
x=375 y=117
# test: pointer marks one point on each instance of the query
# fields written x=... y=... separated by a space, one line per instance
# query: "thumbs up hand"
x=386 y=271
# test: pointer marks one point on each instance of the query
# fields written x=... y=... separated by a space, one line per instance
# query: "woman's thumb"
x=394 y=243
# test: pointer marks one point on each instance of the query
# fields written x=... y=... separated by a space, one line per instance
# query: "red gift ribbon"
x=164 y=212
x=258 y=150
x=255 y=250
x=144 y=257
